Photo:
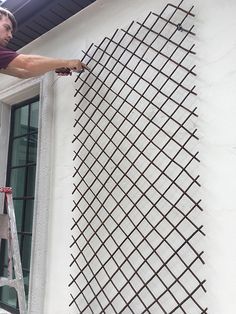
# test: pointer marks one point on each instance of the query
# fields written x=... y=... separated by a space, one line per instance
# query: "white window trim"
x=19 y=92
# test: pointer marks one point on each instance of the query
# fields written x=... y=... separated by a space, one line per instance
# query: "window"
x=21 y=173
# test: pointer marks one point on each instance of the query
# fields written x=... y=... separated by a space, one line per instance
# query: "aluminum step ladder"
x=8 y=232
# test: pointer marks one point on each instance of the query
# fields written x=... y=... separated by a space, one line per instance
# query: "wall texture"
x=216 y=65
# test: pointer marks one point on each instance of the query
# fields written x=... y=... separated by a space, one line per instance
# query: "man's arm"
x=20 y=73
x=24 y=66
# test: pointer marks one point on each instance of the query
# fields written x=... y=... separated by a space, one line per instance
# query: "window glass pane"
x=4 y=247
x=32 y=154
x=31 y=181
x=8 y=296
x=18 y=205
x=29 y=210
x=17 y=181
x=26 y=251
x=21 y=120
x=19 y=150
x=34 y=116
x=20 y=239
x=26 y=282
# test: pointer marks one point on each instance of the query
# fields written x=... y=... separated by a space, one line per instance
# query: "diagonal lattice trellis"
x=136 y=212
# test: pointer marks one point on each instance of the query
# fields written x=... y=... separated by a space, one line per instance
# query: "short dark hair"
x=6 y=12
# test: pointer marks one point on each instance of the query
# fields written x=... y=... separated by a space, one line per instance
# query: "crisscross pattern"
x=136 y=227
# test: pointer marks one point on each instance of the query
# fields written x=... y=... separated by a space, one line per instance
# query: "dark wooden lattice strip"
x=96 y=177
x=95 y=124
x=96 y=159
x=118 y=226
x=109 y=41
x=169 y=58
x=134 y=36
x=120 y=161
x=102 y=142
x=125 y=193
x=141 y=95
x=126 y=118
x=85 y=98
x=184 y=169
x=151 y=253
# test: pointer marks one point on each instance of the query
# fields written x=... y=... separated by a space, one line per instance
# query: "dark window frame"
x=25 y=197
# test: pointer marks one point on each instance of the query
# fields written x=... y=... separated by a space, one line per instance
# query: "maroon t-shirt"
x=6 y=56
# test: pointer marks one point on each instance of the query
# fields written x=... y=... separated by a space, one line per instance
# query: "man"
x=25 y=66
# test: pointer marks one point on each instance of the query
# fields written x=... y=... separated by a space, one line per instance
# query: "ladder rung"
x=8 y=282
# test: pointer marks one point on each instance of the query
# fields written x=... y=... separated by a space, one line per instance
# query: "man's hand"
x=75 y=66
x=63 y=71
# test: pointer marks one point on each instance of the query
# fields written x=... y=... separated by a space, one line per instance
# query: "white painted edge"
x=38 y=271
x=20 y=91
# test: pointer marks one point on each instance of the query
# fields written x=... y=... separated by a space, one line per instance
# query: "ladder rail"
x=14 y=255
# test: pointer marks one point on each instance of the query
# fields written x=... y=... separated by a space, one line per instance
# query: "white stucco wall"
x=216 y=68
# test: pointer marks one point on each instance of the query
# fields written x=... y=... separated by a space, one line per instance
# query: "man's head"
x=7 y=26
